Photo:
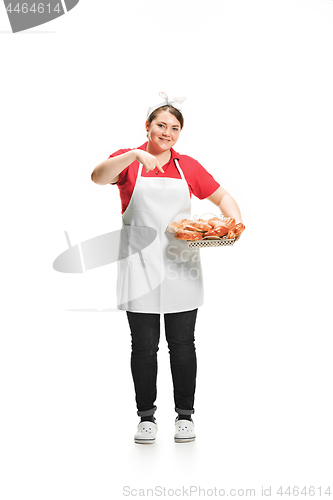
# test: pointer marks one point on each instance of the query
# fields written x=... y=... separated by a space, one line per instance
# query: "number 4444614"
x=36 y=8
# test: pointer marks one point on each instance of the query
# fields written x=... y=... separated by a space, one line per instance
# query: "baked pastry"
x=215 y=221
x=231 y=235
x=238 y=228
x=227 y=222
x=185 y=234
x=235 y=231
x=191 y=225
x=201 y=226
x=218 y=231
x=198 y=226
x=175 y=225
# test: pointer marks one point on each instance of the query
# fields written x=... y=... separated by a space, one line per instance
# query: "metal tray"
x=211 y=243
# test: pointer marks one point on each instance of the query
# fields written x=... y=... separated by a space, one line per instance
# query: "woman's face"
x=163 y=132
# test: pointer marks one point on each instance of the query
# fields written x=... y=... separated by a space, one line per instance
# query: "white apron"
x=166 y=275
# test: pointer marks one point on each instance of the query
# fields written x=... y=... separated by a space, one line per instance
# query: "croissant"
x=175 y=225
x=191 y=225
x=201 y=226
x=228 y=222
x=218 y=231
x=235 y=231
x=239 y=228
x=183 y=234
x=231 y=235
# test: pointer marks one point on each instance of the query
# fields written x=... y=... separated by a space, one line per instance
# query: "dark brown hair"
x=175 y=112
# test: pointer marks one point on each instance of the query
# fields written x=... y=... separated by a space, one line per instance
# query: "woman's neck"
x=163 y=157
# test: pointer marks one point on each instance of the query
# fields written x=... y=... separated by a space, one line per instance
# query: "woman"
x=158 y=274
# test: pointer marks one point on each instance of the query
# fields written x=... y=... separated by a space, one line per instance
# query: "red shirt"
x=199 y=181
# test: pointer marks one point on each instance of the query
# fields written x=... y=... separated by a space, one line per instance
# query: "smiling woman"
x=155 y=184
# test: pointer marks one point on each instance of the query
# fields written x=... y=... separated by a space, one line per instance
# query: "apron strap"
x=179 y=169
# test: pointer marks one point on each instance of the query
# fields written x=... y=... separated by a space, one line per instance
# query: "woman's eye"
x=160 y=125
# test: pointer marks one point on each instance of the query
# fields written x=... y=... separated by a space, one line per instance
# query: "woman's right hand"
x=148 y=160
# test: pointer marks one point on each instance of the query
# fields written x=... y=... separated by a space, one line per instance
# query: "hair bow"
x=167 y=102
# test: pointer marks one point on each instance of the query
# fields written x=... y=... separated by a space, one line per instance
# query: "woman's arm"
x=226 y=204
x=108 y=171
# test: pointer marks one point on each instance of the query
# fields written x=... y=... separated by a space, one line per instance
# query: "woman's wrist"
x=229 y=208
x=137 y=153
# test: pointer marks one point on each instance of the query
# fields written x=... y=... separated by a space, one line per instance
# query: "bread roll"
x=177 y=224
x=238 y=228
x=217 y=231
x=183 y=234
x=228 y=222
x=198 y=226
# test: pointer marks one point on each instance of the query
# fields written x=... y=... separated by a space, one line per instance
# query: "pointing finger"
x=159 y=167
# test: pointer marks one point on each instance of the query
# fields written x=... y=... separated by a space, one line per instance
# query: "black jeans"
x=179 y=332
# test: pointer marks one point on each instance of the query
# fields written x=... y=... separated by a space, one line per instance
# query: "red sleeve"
x=123 y=174
x=201 y=182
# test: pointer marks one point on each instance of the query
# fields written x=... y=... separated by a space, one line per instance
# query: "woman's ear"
x=147 y=126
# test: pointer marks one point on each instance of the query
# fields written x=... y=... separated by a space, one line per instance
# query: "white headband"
x=172 y=102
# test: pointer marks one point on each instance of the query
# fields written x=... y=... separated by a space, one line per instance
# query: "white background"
x=258 y=115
